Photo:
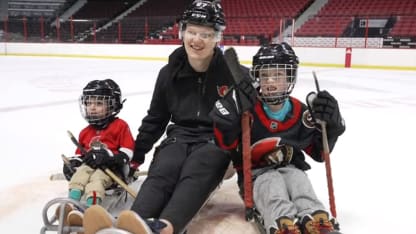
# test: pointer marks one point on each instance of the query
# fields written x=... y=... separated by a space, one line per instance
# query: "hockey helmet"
x=274 y=61
x=101 y=92
x=205 y=13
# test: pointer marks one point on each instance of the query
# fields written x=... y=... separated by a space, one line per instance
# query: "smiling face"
x=272 y=81
x=199 y=42
x=276 y=82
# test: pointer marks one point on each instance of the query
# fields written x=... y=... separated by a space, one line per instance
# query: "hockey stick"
x=326 y=157
x=233 y=64
x=106 y=170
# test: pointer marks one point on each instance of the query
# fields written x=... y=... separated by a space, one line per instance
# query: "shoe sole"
x=131 y=222
x=75 y=218
x=67 y=210
x=96 y=218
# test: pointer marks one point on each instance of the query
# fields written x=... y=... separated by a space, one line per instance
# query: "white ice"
x=373 y=166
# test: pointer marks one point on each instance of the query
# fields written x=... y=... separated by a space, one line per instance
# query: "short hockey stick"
x=106 y=170
x=327 y=159
x=231 y=59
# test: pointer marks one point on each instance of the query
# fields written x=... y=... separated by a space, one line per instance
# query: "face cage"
x=182 y=28
x=275 y=81
x=99 y=119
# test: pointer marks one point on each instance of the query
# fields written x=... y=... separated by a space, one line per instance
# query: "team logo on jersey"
x=222 y=90
x=96 y=143
x=307 y=119
x=273 y=125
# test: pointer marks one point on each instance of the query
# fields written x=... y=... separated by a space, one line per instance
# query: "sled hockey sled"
x=116 y=200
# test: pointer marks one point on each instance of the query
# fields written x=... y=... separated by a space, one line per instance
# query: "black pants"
x=181 y=177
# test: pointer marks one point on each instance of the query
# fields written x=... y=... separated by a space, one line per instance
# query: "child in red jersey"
x=107 y=141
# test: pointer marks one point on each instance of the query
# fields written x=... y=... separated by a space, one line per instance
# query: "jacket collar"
x=178 y=62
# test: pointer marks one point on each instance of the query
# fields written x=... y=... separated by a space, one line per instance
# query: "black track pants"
x=181 y=177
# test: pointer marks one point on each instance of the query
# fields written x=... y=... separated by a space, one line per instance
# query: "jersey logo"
x=222 y=90
x=96 y=143
x=273 y=125
x=307 y=119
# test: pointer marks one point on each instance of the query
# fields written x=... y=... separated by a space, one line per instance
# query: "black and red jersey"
x=296 y=130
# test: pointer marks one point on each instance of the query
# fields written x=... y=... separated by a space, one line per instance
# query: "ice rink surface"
x=372 y=164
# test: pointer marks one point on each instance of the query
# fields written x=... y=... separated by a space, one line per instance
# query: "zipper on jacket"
x=200 y=95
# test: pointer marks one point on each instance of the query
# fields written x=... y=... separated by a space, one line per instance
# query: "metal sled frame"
x=49 y=222
x=56 y=224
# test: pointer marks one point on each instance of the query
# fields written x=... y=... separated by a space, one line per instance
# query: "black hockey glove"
x=247 y=94
x=96 y=158
x=120 y=159
x=323 y=106
x=225 y=113
x=69 y=170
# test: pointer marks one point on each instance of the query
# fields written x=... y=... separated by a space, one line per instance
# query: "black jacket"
x=183 y=97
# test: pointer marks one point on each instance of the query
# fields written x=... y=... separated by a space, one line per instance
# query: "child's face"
x=273 y=81
x=96 y=107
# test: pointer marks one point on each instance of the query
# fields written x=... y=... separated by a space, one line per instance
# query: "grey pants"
x=285 y=191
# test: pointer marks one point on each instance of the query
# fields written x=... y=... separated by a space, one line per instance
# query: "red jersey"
x=116 y=137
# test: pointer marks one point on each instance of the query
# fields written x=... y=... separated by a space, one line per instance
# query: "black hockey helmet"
x=276 y=56
x=206 y=13
x=108 y=93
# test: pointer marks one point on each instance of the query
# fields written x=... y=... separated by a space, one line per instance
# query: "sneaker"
x=131 y=222
x=67 y=208
x=95 y=219
x=317 y=223
x=285 y=225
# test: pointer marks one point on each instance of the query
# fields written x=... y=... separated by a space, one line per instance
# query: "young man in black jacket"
x=187 y=166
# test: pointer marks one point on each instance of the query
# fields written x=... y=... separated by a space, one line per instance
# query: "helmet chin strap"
x=274 y=101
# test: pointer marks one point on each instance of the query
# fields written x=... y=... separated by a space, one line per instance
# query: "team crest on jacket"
x=307 y=119
x=222 y=90
x=273 y=125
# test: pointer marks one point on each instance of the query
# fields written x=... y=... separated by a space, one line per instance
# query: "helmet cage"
x=276 y=81
x=105 y=109
x=100 y=102
x=279 y=62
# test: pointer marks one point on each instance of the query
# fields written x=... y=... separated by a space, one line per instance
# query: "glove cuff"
x=134 y=165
